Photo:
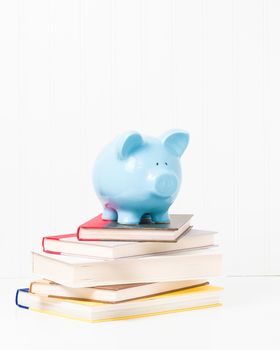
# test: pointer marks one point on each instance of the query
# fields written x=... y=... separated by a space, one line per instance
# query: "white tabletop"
x=249 y=319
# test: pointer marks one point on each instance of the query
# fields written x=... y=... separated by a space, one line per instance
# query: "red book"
x=68 y=244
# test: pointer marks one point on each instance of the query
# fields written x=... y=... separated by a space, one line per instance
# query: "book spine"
x=96 y=223
x=78 y=233
x=46 y=250
x=31 y=287
x=55 y=238
x=25 y=290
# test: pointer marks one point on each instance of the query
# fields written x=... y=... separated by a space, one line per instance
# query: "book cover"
x=56 y=238
x=89 y=311
x=111 y=293
x=176 y=221
x=69 y=244
x=78 y=272
x=97 y=228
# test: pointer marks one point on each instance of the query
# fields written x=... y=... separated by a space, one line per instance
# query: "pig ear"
x=128 y=143
x=176 y=141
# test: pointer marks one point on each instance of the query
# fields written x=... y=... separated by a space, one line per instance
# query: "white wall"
x=76 y=72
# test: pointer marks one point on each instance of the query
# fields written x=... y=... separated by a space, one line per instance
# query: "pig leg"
x=109 y=214
x=128 y=217
x=161 y=218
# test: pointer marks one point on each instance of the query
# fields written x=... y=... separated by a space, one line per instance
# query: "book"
x=185 y=299
x=110 y=294
x=79 y=272
x=147 y=231
x=69 y=244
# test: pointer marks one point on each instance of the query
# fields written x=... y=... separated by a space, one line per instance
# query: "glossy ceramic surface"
x=139 y=175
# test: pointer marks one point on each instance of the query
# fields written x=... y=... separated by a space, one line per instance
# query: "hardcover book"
x=147 y=231
x=165 y=267
x=110 y=294
x=69 y=244
x=183 y=300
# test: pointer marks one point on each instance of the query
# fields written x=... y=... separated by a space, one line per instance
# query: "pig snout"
x=165 y=185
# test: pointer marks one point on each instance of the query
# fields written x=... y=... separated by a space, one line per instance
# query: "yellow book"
x=89 y=311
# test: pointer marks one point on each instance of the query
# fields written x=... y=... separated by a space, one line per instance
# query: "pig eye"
x=165 y=163
x=156 y=163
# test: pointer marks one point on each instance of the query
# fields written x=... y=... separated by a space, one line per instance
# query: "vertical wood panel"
x=157 y=66
x=98 y=69
x=187 y=43
x=65 y=114
x=33 y=126
x=250 y=140
x=126 y=65
x=271 y=130
x=217 y=125
x=98 y=113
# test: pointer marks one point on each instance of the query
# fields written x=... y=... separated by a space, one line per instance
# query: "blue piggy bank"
x=136 y=176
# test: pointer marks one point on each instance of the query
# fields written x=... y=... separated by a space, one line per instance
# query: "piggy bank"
x=138 y=176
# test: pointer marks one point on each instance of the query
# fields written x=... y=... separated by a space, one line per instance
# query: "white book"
x=146 y=230
x=69 y=244
x=87 y=272
x=111 y=294
x=183 y=300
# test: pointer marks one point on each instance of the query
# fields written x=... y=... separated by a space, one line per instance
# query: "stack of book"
x=107 y=271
